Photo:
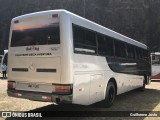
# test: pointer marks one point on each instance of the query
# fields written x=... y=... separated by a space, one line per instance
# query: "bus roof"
x=101 y=29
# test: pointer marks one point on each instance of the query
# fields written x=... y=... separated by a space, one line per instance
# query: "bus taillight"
x=11 y=84
x=62 y=89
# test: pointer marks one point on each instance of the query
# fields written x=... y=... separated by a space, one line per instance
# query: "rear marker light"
x=55 y=15
x=16 y=21
x=18 y=94
x=81 y=89
x=46 y=98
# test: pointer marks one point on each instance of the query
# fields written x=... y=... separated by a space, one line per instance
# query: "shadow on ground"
x=130 y=101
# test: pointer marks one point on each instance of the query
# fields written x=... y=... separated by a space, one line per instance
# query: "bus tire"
x=110 y=95
x=144 y=84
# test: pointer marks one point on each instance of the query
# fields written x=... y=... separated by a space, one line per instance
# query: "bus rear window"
x=32 y=34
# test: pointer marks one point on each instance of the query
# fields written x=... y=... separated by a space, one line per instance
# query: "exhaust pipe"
x=58 y=100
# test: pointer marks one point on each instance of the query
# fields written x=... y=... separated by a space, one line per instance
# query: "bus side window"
x=120 y=49
x=130 y=51
x=139 y=53
x=105 y=45
x=109 y=46
x=145 y=55
x=84 y=40
x=101 y=46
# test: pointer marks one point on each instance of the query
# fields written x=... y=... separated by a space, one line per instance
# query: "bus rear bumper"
x=40 y=96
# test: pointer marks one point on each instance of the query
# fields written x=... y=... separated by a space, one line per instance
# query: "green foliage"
x=137 y=19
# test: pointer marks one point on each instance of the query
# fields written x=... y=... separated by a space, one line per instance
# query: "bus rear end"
x=34 y=64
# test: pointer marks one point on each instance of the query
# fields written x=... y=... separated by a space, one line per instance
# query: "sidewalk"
x=1 y=77
x=3 y=83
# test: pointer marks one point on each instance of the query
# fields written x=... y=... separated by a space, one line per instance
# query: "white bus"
x=3 y=59
x=58 y=56
x=155 y=60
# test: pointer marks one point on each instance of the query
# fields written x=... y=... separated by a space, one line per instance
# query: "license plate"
x=33 y=85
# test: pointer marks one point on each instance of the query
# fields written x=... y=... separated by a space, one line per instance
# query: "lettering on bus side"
x=33 y=48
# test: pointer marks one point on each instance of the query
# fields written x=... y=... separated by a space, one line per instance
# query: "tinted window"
x=139 y=53
x=120 y=49
x=84 y=40
x=44 y=35
x=146 y=54
x=35 y=31
x=130 y=52
x=105 y=45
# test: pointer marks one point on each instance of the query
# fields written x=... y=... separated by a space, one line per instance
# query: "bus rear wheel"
x=144 y=84
x=110 y=94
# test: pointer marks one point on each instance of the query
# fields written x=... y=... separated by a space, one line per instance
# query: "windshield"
x=38 y=32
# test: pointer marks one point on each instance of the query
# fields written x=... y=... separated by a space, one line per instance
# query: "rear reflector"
x=18 y=94
x=48 y=98
x=63 y=90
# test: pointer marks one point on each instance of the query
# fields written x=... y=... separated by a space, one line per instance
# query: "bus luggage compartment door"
x=81 y=89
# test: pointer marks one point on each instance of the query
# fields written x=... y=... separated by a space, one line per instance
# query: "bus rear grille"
x=46 y=70
x=20 y=69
